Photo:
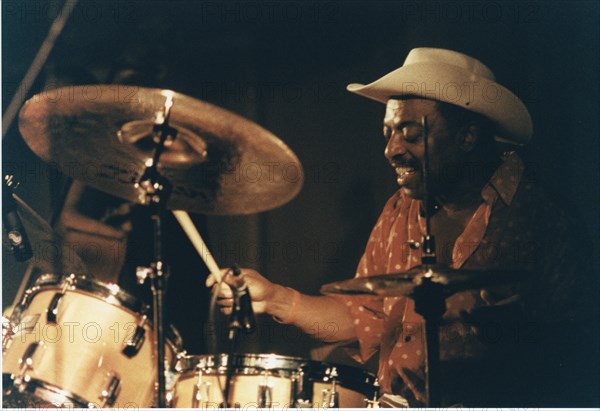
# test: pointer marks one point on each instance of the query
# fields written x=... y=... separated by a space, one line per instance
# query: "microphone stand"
x=18 y=241
x=429 y=295
x=154 y=191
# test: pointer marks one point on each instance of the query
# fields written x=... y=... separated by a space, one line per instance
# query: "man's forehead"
x=400 y=110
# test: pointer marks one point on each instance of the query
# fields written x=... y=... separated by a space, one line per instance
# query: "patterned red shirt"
x=501 y=234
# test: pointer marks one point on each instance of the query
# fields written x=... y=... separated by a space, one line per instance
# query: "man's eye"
x=387 y=132
x=411 y=132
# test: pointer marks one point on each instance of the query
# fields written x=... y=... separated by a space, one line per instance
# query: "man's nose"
x=394 y=147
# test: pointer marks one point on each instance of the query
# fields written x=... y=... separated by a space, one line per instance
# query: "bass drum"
x=270 y=380
x=76 y=342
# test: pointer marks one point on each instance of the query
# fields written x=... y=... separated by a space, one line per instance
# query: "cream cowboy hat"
x=458 y=79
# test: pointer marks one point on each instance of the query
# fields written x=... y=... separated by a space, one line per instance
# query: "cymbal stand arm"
x=232 y=339
x=159 y=276
x=431 y=304
x=428 y=256
x=428 y=295
x=235 y=326
x=154 y=191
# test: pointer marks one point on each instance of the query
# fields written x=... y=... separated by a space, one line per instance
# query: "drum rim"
x=350 y=377
x=47 y=391
x=109 y=293
x=262 y=361
x=193 y=359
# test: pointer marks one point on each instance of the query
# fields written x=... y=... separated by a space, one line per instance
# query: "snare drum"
x=81 y=343
x=269 y=380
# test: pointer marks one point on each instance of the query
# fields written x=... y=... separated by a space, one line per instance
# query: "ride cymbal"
x=218 y=163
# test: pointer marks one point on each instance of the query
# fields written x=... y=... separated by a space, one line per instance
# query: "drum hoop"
x=107 y=292
x=48 y=392
x=350 y=377
x=259 y=362
x=110 y=294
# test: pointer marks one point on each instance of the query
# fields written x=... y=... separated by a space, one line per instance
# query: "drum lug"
x=302 y=391
x=133 y=345
x=331 y=397
x=180 y=356
x=294 y=391
x=52 y=311
x=108 y=396
x=25 y=364
x=265 y=393
x=171 y=378
x=303 y=403
x=374 y=402
x=142 y=273
x=68 y=282
x=7 y=333
x=202 y=390
x=17 y=312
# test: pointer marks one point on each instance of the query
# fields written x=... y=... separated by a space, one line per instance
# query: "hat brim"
x=454 y=85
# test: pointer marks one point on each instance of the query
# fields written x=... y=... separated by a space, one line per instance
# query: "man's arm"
x=323 y=317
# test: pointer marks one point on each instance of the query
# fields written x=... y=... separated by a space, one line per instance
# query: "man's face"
x=403 y=130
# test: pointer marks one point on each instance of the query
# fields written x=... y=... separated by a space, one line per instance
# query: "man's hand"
x=309 y=313
x=262 y=291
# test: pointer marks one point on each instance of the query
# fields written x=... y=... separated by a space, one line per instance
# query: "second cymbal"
x=404 y=283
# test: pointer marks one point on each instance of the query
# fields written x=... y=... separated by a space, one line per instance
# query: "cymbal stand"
x=430 y=303
x=241 y=319
x=235 y=326
x=154 y=192
x=429 y=295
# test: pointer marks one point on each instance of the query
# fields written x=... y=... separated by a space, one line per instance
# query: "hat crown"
x=454 y=58
x=458 y=79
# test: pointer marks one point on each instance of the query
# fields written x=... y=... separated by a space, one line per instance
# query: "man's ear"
x=468 y=137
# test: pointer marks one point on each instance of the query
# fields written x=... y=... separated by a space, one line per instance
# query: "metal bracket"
x=109 y=395
x=25 y=365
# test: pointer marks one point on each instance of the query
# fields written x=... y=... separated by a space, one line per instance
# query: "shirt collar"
x=505 y=180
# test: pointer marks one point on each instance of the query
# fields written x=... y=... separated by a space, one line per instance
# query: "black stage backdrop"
x=285 y=65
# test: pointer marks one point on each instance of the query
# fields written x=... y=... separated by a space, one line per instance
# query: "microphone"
x=242 y=315
x=18 y=242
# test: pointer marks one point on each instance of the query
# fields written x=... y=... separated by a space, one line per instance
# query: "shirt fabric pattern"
x=499 y=235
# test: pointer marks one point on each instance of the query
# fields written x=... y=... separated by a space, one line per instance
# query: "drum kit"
x=72 y=341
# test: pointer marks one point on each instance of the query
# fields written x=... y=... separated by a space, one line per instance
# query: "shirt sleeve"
x=367 y=311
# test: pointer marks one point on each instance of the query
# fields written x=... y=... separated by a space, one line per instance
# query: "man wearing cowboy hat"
x=486 y=214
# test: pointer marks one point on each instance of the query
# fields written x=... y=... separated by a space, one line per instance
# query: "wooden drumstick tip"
x=196 y=239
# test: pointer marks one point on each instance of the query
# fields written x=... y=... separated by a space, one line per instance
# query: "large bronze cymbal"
x=404 y=283
x=50 y=253
x=219 y=162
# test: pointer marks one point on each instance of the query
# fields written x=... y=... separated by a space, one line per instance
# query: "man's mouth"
x=405 y=170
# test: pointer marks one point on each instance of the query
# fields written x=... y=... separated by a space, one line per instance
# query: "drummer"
x=487 y=213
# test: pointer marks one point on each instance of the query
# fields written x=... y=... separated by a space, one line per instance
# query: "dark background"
x=285 y=65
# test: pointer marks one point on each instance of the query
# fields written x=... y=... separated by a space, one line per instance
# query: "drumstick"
x=190 y=229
